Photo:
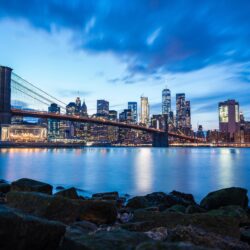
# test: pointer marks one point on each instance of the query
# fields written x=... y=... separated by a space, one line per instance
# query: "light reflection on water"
x=131 y=170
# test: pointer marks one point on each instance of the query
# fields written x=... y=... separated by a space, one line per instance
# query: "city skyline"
x=96 y=54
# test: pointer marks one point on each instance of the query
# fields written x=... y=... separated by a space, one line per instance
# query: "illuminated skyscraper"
x=166 y=101
x=144 y=111
x=133 y=107
x=180 y=110
x=229 y=117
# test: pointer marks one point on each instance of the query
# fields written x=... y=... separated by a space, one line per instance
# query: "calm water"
x=131 y=170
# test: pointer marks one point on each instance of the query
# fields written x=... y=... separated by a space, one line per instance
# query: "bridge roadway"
x=40 y=114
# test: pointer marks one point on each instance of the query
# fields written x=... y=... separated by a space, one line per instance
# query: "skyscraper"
x=84 y=110
x=126 y=116
x=53 y=124
x=144 y=110
x=229 y=117
x=180 y=110
x=103 y=108
x=166 y=101
x=133 y=107
x=78 y=105
x=188 y=114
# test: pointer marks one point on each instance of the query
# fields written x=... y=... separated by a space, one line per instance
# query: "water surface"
x=135 y=171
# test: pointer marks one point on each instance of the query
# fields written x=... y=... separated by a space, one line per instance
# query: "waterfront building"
x=102 y=108
x=144 y=111
x=23 y=133
x=53 y=124
x=229 y=120
x=133 y=107
x=166 y=102
x=113 y=115
x=71 y=108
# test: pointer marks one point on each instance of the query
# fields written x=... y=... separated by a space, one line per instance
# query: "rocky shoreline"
x=31 y=217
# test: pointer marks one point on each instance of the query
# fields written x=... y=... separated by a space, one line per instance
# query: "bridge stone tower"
x=5 y=95
x=161 y=139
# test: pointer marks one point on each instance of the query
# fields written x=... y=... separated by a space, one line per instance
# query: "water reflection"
x=131 y=170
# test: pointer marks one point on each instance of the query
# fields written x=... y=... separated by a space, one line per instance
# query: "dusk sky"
x=120 y=49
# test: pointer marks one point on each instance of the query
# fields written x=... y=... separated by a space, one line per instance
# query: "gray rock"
x=29 y=185
x=192 y=209
x=105 y=240
x=137 y=202
x=159 y=233
x=63 y=209
x=156 y=245
x=177 y=208
x=24 y=232
x=245 y=234
x=68 y=193
x=225 y=197
x=204 y=238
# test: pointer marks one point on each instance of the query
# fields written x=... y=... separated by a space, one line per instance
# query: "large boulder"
x=106 y=195
x=204 y=238
x=105 y=240
x=224 y=225
x=25 y=232
x=225 y=197
x=63 y=209
x=138 y=202
x=30 y=185
x=68 y=193
x=158 y=245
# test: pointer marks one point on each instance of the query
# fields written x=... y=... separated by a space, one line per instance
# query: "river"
x=134 y=171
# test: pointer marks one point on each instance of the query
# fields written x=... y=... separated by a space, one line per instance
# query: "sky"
x=119 y=50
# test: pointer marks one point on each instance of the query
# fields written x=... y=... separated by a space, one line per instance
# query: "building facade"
x=229 y=118
x=166 y=102
x=144 y=111
x=133 y=107
x=102 y=108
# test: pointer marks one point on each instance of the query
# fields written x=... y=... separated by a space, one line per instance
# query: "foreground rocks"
x=32 y=218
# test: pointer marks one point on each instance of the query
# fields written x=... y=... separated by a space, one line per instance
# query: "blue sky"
x=121 y=49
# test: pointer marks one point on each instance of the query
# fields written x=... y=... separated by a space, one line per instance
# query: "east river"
x=133 y=171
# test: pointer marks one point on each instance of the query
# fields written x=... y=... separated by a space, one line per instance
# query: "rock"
x=84 y=226
x=63 y=209
x=105 y=240
x=192 y=209
x=236 y=212
x=3 y=181
x=25 y=232
x=158 y=245
x=137 y=202
x=177 y=208
x=60 y=188
x=4 y=188
x=223 y=225
x=245 y=234
x=204 y=238
x=125 y=217
x=225 y=197
x=160 y=233
x=68 y=193
x=187 y=198
x=30 y=185
x=114 y=195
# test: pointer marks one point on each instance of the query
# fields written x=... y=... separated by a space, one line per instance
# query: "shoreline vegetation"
x=32 y=217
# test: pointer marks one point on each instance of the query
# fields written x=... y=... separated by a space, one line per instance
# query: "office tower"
x=102 y=108
x=144 y=111
x=78 y=106
x=53 y=124
x=229 y=120
x=133 y=107
x=171 y=117
x=180 y=110
x=200 y=133
x=113 y=115
x=188 y=114
x=126 y=116
x=84 y=110
x=166 y=101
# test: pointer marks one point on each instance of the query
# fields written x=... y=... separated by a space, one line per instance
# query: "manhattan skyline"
x=200 y=50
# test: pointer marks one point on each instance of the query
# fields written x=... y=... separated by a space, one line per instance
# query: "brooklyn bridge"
x=11 y=83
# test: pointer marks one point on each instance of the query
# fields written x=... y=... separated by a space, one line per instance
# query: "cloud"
x=150 y=35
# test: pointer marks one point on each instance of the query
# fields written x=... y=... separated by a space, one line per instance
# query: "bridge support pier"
x=160 y=140
x=5 y=95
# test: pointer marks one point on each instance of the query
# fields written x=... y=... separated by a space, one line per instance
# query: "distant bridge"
x=10 y=81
